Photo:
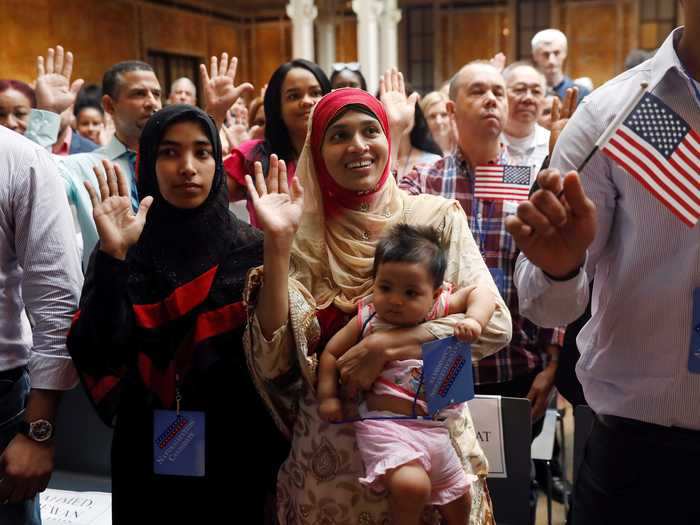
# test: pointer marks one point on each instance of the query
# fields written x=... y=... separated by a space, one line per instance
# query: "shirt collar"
x=463 y=165
x=114 y=149
x=64 y=148
x=666 y=58
x=540 y=137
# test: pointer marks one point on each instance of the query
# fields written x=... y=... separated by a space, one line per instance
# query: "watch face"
x=40 y=430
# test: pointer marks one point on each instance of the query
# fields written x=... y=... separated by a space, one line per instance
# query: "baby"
x=413 y=459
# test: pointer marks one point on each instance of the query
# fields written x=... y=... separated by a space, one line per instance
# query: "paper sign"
x=447 y=373
x=66 y=507
x=488 y=422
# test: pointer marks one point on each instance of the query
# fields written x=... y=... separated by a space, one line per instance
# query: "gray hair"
x=508 y=71
x=546 y=36
x=183 y=79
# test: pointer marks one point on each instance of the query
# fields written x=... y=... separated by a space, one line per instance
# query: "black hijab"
x=178 y=244
x=184 y=285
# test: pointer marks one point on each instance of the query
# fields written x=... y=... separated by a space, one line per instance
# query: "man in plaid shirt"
x=479 y=103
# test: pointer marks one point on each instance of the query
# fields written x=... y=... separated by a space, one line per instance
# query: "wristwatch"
x=39 y=430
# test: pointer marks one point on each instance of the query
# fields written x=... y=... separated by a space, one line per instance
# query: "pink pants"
x=387 y=444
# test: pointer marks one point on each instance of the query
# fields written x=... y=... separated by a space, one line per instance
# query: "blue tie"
x=132 y=180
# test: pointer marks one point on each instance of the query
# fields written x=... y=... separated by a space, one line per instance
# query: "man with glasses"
x=526 y=141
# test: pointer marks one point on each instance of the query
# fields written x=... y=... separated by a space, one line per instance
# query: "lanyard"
x=479 y=228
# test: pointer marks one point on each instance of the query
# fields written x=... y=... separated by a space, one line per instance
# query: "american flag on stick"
x=659 y=149
x=502 y=182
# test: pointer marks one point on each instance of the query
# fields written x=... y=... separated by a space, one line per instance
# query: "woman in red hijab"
x=313 y=281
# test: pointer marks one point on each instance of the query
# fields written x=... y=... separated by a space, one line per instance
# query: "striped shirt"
x=452 y=178
x=39 y=265
x=635 y=348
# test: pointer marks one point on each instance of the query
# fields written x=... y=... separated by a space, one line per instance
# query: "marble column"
x=368 y=12
x=302 y=13
x=325 y=33
x=389 y=35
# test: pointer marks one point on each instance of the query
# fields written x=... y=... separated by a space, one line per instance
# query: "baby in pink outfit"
x=413 y=459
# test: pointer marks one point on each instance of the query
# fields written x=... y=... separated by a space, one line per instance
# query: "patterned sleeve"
x=411 y=182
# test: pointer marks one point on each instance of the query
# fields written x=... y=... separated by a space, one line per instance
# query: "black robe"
x=174 y=309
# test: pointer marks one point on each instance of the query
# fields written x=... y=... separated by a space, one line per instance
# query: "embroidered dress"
x=331 y=271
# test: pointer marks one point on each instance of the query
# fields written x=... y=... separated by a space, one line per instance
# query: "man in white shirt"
x=526 y=141
x=39 y=272
x=637 y=357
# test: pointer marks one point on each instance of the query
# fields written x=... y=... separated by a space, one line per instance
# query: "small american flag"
x=501 y=183
x=659 y=149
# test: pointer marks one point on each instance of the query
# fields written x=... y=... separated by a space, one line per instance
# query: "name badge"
x=500 y=279
x=178 y=443
x=694 y=354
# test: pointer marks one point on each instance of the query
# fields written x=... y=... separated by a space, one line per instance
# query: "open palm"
x=220 y=90
x=54 y=91
x=117 y=225
x=400 y=109
x=277 y=206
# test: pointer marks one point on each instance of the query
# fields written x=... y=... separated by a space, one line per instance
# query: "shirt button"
x=364 y=206
x=365 y=236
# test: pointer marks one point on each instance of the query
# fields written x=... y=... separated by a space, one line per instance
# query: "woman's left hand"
x=362 y=364
x=400 y=109
x=277 y=206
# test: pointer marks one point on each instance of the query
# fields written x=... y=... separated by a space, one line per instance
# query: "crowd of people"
x=273 y=262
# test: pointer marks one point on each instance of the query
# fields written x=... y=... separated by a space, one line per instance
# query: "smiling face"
x=438 y=119
x=185 y=165
x=355 y=151
x=300 y=92
x=15 y=109
x=90 y=123
x=403 y=293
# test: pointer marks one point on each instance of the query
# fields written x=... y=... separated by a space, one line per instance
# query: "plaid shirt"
x=452 y=178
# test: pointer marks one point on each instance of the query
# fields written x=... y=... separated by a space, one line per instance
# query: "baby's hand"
x=468 y=330
x=330 y=409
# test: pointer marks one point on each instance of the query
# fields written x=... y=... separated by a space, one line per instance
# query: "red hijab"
x=335 y=197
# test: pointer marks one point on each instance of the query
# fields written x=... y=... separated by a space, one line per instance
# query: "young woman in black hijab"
x=157 y=339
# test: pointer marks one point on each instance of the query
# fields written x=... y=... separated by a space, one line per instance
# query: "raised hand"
x=54 y=91
x=561 y=113
x=556 y=225
x=400 y=109
x=220 y=90
x=498 y=61
x=117 y=226
x=277 y=206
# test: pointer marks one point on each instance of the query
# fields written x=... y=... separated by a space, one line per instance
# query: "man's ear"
x=108 y=104
x=450 y=106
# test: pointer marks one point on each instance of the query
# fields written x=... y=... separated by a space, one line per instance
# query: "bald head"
x=458 y=80
x=183 y=91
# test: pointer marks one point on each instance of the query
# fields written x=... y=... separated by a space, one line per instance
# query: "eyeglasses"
x=352 y=66
x=521 y=90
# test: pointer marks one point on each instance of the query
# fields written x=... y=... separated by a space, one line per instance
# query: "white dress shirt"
x=39 y=264
x=528 y=151
x=646 y=262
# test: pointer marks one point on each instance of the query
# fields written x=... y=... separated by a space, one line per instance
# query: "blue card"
x=178 y=443
x=500 y=279
x=694 y=354
x=447 y=373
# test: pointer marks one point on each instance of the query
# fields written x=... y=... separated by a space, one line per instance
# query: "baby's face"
x=403 y=293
